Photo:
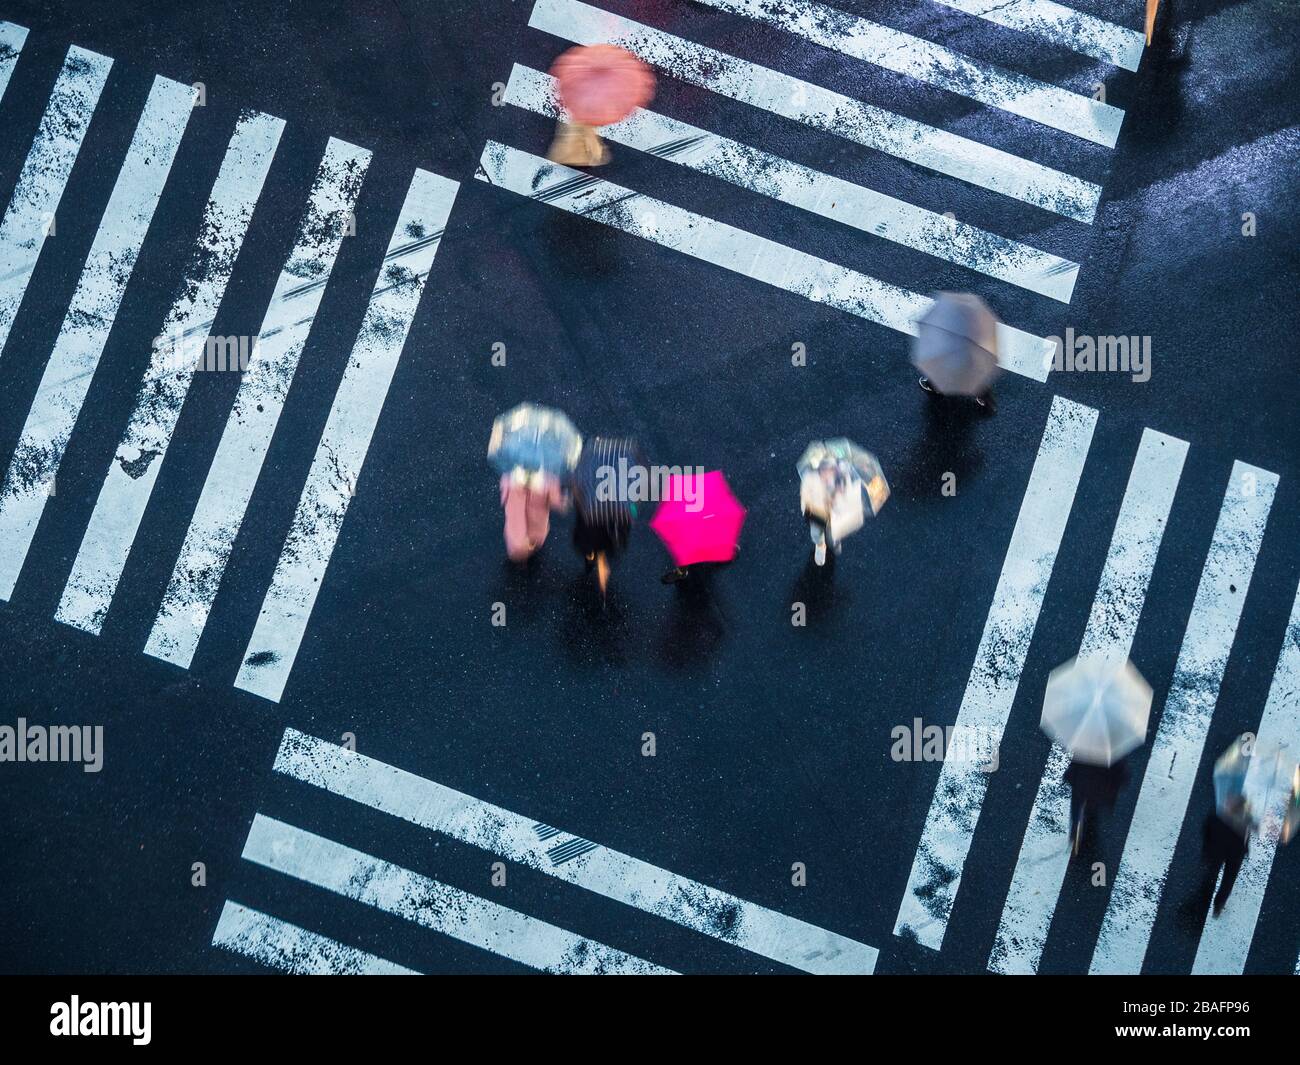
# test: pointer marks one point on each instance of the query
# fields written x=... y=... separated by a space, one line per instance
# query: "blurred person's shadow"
x=1159 y=117
x=815 y=589
x=579 y=248
x=697 y=625
x=947 y=445
x=597 y=628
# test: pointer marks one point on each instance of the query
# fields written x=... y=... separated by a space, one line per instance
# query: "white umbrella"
x=1096 y=710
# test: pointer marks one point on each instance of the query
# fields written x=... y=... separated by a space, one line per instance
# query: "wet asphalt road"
x=773 y=741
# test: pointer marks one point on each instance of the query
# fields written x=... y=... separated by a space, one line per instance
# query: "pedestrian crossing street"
x=360 y=877
x=1177 y=757
x=71 y=370
x=1058 y=116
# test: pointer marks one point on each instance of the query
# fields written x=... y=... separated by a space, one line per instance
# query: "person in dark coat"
x=1227 y=836
x=1097 y=786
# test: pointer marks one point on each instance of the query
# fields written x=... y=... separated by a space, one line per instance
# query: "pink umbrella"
x=602 y=83
x=700 y=520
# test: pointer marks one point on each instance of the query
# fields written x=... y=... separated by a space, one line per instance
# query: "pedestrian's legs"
x=1077 y=806
x=1231 y=868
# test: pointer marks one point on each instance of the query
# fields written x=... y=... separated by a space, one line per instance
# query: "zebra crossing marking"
x=280 y=945
x=922 y=60
x=262 y=391
x=1061 y=25
x=91 y=313
x=12 y=39
x=44 y=175
x=995 y=674
x=821 y=194
x=131 y=475
x=787 y=96
x=434 y=905
x=735 y=249
x=598 y=869
x=1174 y=763
x=1044 y=854
x=1225 y=940
x=349 y=428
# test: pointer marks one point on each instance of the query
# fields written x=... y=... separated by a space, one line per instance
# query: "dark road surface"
x=773 y=741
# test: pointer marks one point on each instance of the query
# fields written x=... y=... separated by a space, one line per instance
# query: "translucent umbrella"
x=1262 y=775
x=852 y=462
x=534 y=439
x=1096 y=710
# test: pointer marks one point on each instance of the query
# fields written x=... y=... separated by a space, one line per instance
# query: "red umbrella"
x=602 y=83
x=700 y=521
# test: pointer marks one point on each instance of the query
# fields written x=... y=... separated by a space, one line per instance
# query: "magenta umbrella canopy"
x=699 y=520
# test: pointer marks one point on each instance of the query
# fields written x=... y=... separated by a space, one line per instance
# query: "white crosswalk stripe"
x=1074 y=118
x=131 y=476
x=934 y=64
x=1176 y=751
x=263 y=389
x=90 y=317
x=35 y=200
x=1225 y=940
x=734 y=249
x=906 y=139
x=1044 y=854
x=569 y=858
x=184 y=345
x=431 y=904
x=1063 y=26
x=278 y=944
x=831 y=197
x=346 y=438
x=995 y=675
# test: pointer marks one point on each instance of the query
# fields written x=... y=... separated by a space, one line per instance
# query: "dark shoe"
x=924 y=382
x=674 y=575
x=986 y=404
x=1218 y=908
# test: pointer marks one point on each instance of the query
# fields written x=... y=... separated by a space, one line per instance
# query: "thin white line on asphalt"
x=345 y=440
x=262 y=391
x=570 y=858
x=290 y=948
x=995 y=674
x=1061 y=25
x=12 y=39
x=432 y=904
x=91 y=313
x=915 y=57
x=1134 y=545
x=1176 y=751
x=1225 y=940
x=36 y=196
x=821 y=194
x=873 y=127
x=129 y=482
x=735 y=249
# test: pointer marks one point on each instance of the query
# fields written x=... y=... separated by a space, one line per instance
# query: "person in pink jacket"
x=528 y=499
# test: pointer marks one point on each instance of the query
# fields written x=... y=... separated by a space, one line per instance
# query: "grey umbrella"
x=956 y=344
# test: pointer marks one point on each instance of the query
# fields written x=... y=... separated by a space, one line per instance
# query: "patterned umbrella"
x=534 y=439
